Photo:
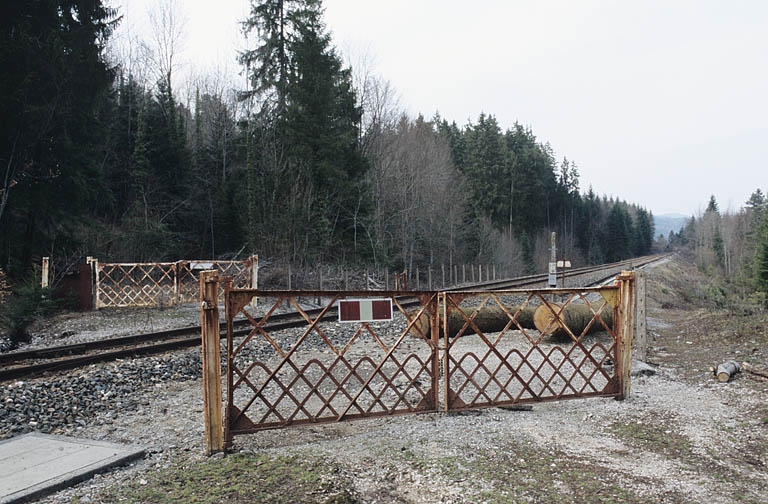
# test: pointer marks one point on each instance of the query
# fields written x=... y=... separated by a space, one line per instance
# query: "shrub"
x=26 y=304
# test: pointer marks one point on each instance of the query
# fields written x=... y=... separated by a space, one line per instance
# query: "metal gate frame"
x=436 y=306
x=571 y=365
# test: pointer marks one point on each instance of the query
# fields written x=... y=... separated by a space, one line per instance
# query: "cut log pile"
x=488 y=319
x=552 y=319
x=544 y=318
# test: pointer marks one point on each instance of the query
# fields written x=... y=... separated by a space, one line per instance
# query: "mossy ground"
x=238 y=479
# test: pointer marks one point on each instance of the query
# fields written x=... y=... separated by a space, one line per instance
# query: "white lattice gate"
x=162 y=284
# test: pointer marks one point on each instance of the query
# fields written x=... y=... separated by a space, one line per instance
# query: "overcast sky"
x=660 y=103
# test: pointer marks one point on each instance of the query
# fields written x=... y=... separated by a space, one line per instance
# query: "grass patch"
x=524 y=473
x=651 y=437
x=238 y=479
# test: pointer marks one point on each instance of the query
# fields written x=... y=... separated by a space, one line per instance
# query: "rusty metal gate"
x=434 y=351
x=512 y=347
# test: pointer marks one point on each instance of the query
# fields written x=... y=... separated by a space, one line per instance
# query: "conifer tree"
x=761 y=257
x=54 y=82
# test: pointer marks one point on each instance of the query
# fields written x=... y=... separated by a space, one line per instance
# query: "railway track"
x=30 y=363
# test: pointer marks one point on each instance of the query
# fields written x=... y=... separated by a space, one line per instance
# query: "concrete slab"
x=36 y=464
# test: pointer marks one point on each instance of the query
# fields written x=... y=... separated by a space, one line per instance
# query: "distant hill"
x=669 y=222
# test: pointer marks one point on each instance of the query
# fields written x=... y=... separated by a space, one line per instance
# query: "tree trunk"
x=488 y=319
x=755 y=370
x=575 y=317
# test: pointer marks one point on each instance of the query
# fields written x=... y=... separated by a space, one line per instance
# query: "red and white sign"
x=365 y=310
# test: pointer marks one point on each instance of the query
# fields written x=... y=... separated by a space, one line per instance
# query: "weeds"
x=25 y=305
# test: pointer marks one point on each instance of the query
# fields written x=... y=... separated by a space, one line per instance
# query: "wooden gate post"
x=641 y=329
x=96 y=282
x=254 y=262
x=626 y=326
x=44 y=275
x=209 y=323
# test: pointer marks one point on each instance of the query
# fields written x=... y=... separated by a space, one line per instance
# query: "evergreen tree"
x=488 y=168
x=618 y=234
x=710 y=236
x=278 y=24
x=761 y=260
x=643 y=232
x=534 y=197
x=455 y=138
x=54 y=82
x=589 y=228
x=320 y=134
x=312 y=196
x=756 y=247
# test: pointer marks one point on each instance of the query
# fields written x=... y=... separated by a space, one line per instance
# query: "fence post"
x=44 y=274
x=254 y=272
x=209 y=323
x=176 y=283
x=319 y=282
x=254 y=278
x=96 y=282
x=641 y=332
x=626 y=324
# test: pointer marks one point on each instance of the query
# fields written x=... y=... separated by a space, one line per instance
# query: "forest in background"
x=315 y=162
x=732 y=248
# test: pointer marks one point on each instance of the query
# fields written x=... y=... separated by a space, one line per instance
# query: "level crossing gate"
x=376 y=353
x=121 y=285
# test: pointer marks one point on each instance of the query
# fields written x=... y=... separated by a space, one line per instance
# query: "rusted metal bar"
x=209 y=322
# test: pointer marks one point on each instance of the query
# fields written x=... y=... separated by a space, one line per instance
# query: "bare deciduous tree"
x=168 y=25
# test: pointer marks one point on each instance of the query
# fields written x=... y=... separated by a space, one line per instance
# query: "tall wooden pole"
x=626 y=326
x=44 y=276
x=209 y=322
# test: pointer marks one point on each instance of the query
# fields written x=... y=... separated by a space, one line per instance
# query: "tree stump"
x=726 y=370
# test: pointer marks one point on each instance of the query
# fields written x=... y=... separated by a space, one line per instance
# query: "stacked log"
x=575 y=316
x=488 y=319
